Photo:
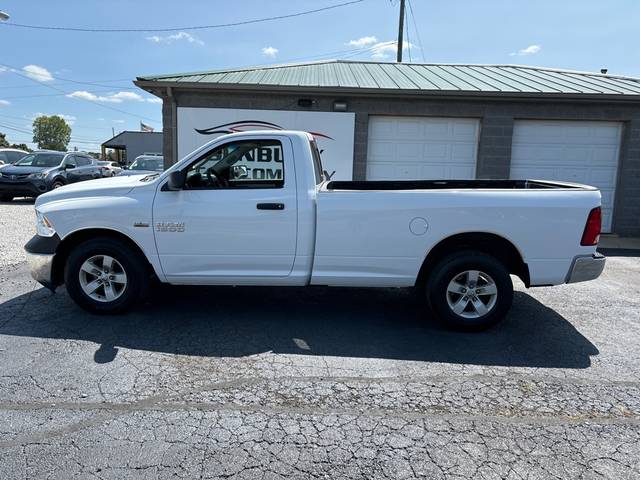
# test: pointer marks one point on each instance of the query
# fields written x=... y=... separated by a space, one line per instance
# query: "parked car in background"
x=11 y=155
x=145 y=165
x=109 y=169
x=45 y=170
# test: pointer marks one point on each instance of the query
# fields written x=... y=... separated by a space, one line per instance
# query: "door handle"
x=270 y=206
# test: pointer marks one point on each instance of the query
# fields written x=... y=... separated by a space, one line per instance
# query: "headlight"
x=39 y=175
x=0 y=174
x=43 y=226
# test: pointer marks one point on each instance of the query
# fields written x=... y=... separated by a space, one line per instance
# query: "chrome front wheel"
x=102 y=278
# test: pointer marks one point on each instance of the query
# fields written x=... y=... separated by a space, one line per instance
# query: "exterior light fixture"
x=340 y=106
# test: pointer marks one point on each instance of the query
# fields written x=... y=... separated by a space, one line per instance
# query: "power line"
x=415 y=27
x=177 y=29
x=16 y=72
x=87 y=82
x=406 y=20
x=37 y=95
x=19 y=129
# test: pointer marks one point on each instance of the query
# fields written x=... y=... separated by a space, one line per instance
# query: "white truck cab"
x=255 y=208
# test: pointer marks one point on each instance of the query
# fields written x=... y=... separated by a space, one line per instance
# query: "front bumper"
x=40 y=253
x=41 y=267
x=585 y=268
x=23 y=188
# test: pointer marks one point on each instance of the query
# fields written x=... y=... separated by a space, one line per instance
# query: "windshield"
x=155 y=164
x=40 y=160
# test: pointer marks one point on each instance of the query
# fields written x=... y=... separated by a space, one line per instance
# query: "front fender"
x=129 y=216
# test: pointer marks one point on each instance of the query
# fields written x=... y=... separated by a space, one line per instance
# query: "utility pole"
x=400 y=31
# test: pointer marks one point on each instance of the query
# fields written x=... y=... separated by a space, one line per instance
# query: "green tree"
x=20 y=146
x=51 y=132
x=3 y=140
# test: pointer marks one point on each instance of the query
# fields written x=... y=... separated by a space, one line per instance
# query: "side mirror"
x=69 y=166
x=176 y=181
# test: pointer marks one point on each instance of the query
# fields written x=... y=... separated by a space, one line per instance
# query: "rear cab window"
x=317 y=162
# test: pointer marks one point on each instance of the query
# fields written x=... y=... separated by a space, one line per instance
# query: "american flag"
x=145 y=128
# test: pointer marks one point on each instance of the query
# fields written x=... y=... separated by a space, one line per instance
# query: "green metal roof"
x=339 y=75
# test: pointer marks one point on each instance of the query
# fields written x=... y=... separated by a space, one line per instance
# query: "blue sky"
x=573 y=34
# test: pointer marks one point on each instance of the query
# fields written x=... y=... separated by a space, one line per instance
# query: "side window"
x=83 y=161
x=14 y=156
x=317 y=162
x=243 y=164
x=4 y=157
x=70 y=160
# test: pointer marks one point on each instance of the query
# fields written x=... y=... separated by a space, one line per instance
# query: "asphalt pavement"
x=252 y=382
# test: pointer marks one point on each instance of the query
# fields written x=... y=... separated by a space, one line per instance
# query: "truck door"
x=236 y=216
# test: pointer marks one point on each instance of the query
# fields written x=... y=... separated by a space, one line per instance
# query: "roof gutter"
x=153 y=85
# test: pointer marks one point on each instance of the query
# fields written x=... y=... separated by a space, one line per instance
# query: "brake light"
x=592 y=229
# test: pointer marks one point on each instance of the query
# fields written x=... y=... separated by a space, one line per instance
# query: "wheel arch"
x=77 y=237
x=490 y=243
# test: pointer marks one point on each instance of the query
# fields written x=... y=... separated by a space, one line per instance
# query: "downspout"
x=173 y=130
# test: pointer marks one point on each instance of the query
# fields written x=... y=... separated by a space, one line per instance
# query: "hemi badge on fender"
x=141 y=224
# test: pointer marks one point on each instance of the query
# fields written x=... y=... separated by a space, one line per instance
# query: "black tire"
x=6 y=198
x=131 y=263
x=454 y=268
x=57 y=184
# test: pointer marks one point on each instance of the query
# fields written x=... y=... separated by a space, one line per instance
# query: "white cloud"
x=38 y=73
x=4 y=103
x=118 y=121
x=117 y=97
x=120 y=96
x=176 y=37
x=154 y=100
x=384 y=49
x=530 y=50
x=270 y=52
x=363 y=41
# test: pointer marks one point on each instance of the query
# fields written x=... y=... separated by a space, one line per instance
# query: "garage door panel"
x=435 y=151
x=605 y=155
x=382 y=130
x=421 y=148
x=461 y=152
x=381 y=150
x=408 y=130
x=435 y=130
x=570 y=151
x=603 y=177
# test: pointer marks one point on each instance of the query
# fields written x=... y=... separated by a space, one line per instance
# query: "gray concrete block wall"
x=497 y=117
x=626 y=212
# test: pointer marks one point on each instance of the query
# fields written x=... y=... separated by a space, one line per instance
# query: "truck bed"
x=452 y=184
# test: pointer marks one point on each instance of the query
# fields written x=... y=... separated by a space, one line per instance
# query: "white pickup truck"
x=256 y=208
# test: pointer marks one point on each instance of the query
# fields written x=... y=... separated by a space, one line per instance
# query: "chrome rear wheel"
x=472 y=294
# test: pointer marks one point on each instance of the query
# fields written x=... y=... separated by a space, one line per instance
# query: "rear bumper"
x=585 y=268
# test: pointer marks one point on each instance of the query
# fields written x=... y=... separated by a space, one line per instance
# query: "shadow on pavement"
x=342 y=322
x=20 y=201
x=619 y=252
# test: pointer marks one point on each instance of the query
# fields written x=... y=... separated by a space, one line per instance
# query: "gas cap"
x=418 y=226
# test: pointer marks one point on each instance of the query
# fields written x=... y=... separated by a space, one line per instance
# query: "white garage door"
x=421 y=148
x=570 y=151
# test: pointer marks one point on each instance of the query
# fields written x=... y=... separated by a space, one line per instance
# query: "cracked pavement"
x=246 y=382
